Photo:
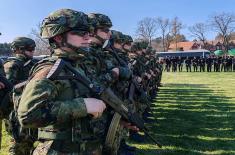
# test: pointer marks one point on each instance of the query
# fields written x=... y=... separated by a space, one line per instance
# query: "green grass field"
x=195 y=114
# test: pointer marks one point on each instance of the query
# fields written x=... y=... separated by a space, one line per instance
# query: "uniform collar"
x=22 y=57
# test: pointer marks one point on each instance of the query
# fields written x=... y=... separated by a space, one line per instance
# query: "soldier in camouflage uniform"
x=149 y=81
x=17 y=70
x=1 y=68
x=2 y=88
x=118 y=39
x=139 y=71
x=110 y=61
x=62 y=109
x=2 y=73
x=155 y=70
x=122 y=45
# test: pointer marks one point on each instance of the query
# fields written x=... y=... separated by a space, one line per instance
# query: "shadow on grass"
x=193 y=119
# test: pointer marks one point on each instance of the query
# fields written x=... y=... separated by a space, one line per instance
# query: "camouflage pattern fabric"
x=17 y=70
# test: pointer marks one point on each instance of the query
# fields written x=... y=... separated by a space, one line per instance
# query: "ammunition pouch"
x=54 y=134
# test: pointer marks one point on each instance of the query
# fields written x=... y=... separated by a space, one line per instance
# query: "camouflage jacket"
x=139 y=68
x=108 y=61
x=58 y=109
x=2 y=73
x=17 y=69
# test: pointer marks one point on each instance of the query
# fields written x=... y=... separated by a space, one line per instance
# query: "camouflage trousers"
x=46 y=148
x=22 y=148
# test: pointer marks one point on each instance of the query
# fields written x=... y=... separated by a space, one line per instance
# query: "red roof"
x=184 y=45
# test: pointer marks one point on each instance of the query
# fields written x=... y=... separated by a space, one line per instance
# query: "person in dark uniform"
x=229 y=64
x=219 y=64
x=233 y=60
x=195 y=64
x=223 y=62
x=180 y=64
x=202 y=64
x=168 y=64
x=174 y=64
x=209 y=63
x=188 y=64
x=215 y=63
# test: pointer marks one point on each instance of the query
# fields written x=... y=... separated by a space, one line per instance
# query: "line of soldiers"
x=91 y=95
x=215 y=63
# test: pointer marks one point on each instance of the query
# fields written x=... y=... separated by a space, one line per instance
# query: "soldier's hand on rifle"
x=94 y=106
x=116 y=71
x=129 y=126
x=148 y=75
x=2 y=85
x=138 y=79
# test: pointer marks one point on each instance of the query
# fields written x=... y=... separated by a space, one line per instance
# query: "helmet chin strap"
x=100 y=39
x=126 y=50
x=78 y=50
x=22 y=52
x=106 y=44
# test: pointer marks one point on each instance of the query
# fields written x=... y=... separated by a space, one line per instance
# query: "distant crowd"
x=200 y=64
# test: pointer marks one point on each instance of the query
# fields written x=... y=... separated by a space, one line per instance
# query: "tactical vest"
x=6 y=105
x=107 y=62
x=75 y=131
x=2 y=73
x=11 y=103
x=24 y=68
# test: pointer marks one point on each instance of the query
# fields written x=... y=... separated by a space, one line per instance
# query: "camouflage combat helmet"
x=117 y=36
x=23 y=43
x=149 y=49
x=144 y=44
x=98 y=20
x=136 y=47
x=62 y=21
x=128 y=39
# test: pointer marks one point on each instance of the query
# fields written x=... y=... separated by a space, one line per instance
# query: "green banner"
x=219 y=52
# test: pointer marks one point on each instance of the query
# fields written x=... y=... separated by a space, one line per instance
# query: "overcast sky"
x=18 y=17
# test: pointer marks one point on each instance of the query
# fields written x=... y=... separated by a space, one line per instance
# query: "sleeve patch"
x=42 y=73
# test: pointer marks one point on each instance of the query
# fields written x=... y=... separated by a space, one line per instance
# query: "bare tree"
x=169 y=40
x=146 y=29
x=42 y=45
x=164 y=26
x=224 y=25
x=198 y=31
x=176 y=26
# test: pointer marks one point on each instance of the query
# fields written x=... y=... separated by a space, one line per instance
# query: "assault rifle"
x=107 y=95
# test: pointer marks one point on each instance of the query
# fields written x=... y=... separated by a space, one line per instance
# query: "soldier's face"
x=78 y=39
x=104 y=33
x=127 y=46
x=29 y=54
x=139 y=52
x=117 y=45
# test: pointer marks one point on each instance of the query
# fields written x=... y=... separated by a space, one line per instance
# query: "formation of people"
x=200 y=64
x=89 y=97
